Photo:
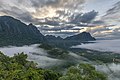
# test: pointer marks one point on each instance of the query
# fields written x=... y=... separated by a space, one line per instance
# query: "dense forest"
x=19 y=68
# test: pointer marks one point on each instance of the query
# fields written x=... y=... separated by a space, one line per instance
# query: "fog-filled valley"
x=42 y=58
x=40 y=55
x=102 y=45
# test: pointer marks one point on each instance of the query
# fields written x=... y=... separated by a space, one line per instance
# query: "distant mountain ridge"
x=84 y=36
x=70 y=41
x=14 y=26
x=14 y=32
x=81 y=37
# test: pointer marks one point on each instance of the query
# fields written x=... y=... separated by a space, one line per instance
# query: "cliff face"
x=13 y=32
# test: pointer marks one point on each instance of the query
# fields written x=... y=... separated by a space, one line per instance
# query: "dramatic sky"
x=67 y=17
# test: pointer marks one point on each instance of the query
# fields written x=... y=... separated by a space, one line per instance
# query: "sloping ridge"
x=15 y=32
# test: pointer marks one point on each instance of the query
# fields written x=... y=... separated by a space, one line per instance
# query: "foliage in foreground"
x=19 y=68
x=83 y=72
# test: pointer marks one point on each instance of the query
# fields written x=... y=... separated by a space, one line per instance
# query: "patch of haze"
x=79 y=58
x=44 y=61
x=102 y=45
x=11 y=50
x=112 y=70
x=41 y=59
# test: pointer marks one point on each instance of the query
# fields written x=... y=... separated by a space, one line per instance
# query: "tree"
x=19 y=68
x=83 y=72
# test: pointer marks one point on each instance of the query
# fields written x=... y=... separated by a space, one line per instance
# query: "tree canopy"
x=19 y=68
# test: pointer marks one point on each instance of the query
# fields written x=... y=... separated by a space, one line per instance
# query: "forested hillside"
x=19 y=68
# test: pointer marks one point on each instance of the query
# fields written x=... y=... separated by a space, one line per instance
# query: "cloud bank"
x=32 y=10
x=112 y=15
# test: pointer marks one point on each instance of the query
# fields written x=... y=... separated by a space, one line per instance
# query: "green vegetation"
x=105 y=57
x=58 y=53
x=83 y=72
x=17 y=40
x=54 y=52
x=45 y=46
x=19 y=68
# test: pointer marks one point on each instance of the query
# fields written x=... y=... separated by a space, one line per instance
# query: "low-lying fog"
x=102 y=45
x=41 y=59
x=113 y=70
x=44 y=61
x=40 y=56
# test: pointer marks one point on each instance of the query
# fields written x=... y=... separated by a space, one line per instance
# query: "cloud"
x=50 y=22
x=114 y=9
x=107 y=26
x=105 y=32
x=98 y=22
x=84 y=18
x=70 y=4
x=59 y=28
x=74 y=24
x=17 y=12
x=32 y=10
x=112 y=15
x=57 y=13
